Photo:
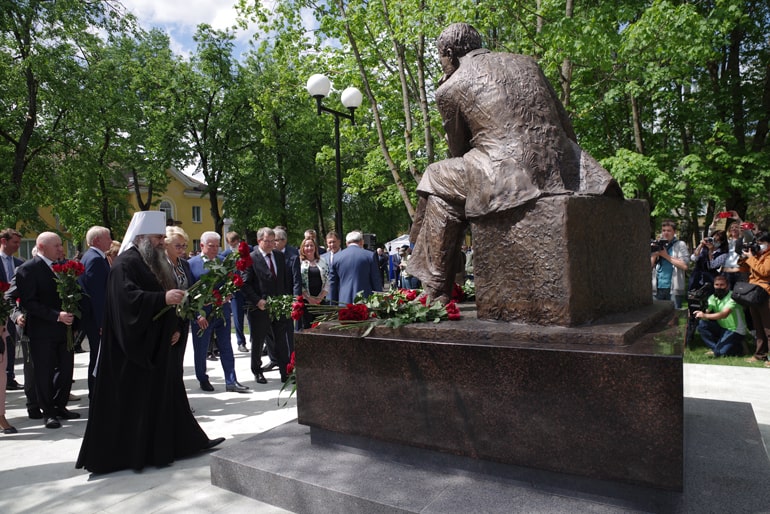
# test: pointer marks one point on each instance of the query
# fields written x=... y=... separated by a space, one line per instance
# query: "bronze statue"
x=511 y=142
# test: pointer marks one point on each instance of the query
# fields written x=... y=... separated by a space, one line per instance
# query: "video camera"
x=747 y=243
x=657 y=245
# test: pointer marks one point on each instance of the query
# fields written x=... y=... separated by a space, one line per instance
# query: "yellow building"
x=182 y=201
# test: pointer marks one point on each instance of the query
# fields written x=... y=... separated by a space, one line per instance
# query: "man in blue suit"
x=354 y=269
x=94 y=284
x=10 y=240
x=220 y=326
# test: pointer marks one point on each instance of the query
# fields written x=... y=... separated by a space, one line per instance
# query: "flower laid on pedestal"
x=70 y=292
x=214 y=288
x=390 y=309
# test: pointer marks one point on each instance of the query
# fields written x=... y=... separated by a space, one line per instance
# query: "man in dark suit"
x=217 y=325
x=267 y=276
x=46 y=327
x=354 y=269
x=10 y=240
x=94 y=284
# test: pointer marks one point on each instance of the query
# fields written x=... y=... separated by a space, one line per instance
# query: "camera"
x=709 y=240
x=657 y=245
x=751 y=246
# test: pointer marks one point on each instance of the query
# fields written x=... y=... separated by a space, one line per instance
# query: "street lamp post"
x=318 y=86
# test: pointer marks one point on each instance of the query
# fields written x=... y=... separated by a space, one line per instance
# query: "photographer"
x=709 y=256
x=670 y=263
x=722 y=327
x=758 y=261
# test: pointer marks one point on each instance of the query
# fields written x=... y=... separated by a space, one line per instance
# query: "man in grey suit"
x=354 y=269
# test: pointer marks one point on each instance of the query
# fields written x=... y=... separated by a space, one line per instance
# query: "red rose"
x=243 y=250
x=57 y=268
x=242 y=265
x=457 y=293
x=453 y=312
x=217 y=297
x=4 y=286
x=297 y=309
x=237 y=281
x=313 y=325
x=292 y=364
x=424 y=300
x=411 y=294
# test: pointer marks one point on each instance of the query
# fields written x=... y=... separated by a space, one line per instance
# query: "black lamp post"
x=318 y=86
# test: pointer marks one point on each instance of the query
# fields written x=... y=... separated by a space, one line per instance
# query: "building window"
x=25 y=250
x=196 y=246
x=166 y=207
x=196 y=214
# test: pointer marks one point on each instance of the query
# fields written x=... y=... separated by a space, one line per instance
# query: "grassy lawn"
x=697 y=353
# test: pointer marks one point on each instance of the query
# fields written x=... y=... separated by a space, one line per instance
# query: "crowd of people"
x=138 y=413
x=721 y=267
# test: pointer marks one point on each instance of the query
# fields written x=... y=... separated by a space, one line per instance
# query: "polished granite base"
x=313 y=471
x=483 y=390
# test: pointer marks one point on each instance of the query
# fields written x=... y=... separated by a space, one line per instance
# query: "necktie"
x=270 y=263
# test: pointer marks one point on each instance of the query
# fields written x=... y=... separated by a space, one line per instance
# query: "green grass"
x=697 y=354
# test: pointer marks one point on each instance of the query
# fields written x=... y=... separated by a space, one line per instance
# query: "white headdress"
x=144 y=223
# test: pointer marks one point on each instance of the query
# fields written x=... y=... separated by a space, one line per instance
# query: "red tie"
x=270 y=263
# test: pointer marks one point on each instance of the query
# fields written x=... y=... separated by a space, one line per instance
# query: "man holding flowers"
x=46 y=325
x=207 y=323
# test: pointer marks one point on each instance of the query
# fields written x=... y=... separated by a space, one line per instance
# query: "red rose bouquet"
x=214 y=288
x=70 y=292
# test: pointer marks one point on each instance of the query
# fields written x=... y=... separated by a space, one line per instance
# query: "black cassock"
x=139 y=414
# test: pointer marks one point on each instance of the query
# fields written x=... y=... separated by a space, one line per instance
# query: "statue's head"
x=454 y=42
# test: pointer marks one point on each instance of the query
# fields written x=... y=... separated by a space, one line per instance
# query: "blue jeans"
x=201 y=346
x=237 y=306
x=721 y=341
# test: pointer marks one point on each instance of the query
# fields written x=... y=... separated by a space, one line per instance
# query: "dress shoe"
x=269 y=367
x=242 y=348
x=67 y=414
x=10 y=430
x=237 y=388
x=13 y=385
x=52 y=422
x=260 y=378
x=213 y=442
x=210 y=356
x=206 y=386
x=73 y=398
x=34 y=414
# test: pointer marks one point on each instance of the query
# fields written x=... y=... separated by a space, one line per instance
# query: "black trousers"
x=278 y=345
x=53 y=374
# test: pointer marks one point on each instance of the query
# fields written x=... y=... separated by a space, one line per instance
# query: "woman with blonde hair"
x=315 y=276
x=176 y=248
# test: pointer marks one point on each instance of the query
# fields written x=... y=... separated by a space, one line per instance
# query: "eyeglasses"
x=180 y=247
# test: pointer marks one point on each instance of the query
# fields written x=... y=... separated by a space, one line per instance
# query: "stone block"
x=600 y=411
x=563 y=260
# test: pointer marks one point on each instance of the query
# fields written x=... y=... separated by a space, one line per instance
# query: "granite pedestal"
x=487 y=391
x=563 y=260
x=309 y=470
